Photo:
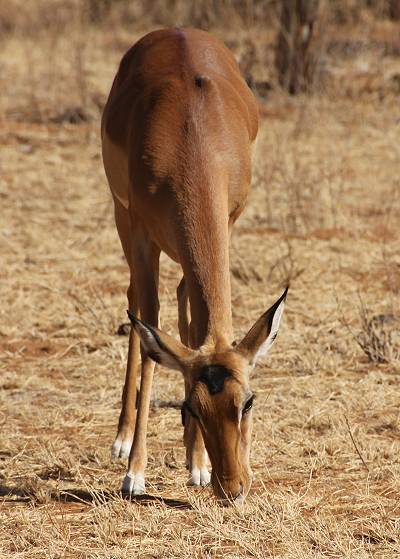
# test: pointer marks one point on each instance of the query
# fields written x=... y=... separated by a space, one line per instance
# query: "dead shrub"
x=379 y=336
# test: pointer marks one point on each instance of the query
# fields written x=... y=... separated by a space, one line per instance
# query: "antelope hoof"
x=199 y=476
x=121 y=447
x=133 y=484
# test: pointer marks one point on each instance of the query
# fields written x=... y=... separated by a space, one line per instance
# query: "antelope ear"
x=161 y=347
x=260 y=338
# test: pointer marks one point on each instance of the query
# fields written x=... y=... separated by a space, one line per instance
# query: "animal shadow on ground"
x=14 y=494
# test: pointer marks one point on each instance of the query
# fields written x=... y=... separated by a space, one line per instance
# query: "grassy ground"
x=323 y=213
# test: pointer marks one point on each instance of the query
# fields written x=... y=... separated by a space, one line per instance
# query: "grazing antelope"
x=177 y=133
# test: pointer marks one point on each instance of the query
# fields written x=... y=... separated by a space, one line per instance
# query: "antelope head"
x=219 y=397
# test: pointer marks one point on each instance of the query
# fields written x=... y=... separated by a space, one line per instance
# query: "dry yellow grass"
x=324 y=213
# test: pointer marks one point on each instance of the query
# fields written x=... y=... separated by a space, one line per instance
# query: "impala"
x=177 y=136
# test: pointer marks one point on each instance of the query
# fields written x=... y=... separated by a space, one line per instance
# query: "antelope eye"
x=248 y=405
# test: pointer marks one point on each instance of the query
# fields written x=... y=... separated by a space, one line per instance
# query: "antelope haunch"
x=177 y=133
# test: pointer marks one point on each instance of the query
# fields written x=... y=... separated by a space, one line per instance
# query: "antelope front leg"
x=134 y=482
x=146 y=266
x=126 y=425
x=196 y=454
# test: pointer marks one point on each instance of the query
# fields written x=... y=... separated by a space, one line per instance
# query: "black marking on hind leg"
x=183 y=413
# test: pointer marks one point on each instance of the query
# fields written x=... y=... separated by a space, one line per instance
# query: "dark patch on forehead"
x=202 y=82
x=199 y=81
x=214 y=376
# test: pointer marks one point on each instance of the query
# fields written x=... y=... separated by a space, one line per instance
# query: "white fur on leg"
x=199 y=476
x=121 y=448
x=194 y=477
x=205 y=477
x=134 y=484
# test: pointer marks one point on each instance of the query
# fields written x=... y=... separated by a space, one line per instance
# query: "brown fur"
x=177 y=133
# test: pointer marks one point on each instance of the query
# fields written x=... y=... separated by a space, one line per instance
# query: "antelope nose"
x=237 y=498
x=240 y=496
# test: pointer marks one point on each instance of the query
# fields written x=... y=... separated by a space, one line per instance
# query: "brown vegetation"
x=324 y=214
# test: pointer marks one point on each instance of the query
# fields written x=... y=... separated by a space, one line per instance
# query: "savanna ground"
x=324 y=214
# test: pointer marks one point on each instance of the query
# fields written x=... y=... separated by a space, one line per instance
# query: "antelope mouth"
x=238 y=499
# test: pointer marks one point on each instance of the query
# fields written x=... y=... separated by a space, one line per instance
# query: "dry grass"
x=324 y=212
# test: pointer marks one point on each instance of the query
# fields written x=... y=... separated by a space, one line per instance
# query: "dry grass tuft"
x=379 y=336
x=323 y=214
